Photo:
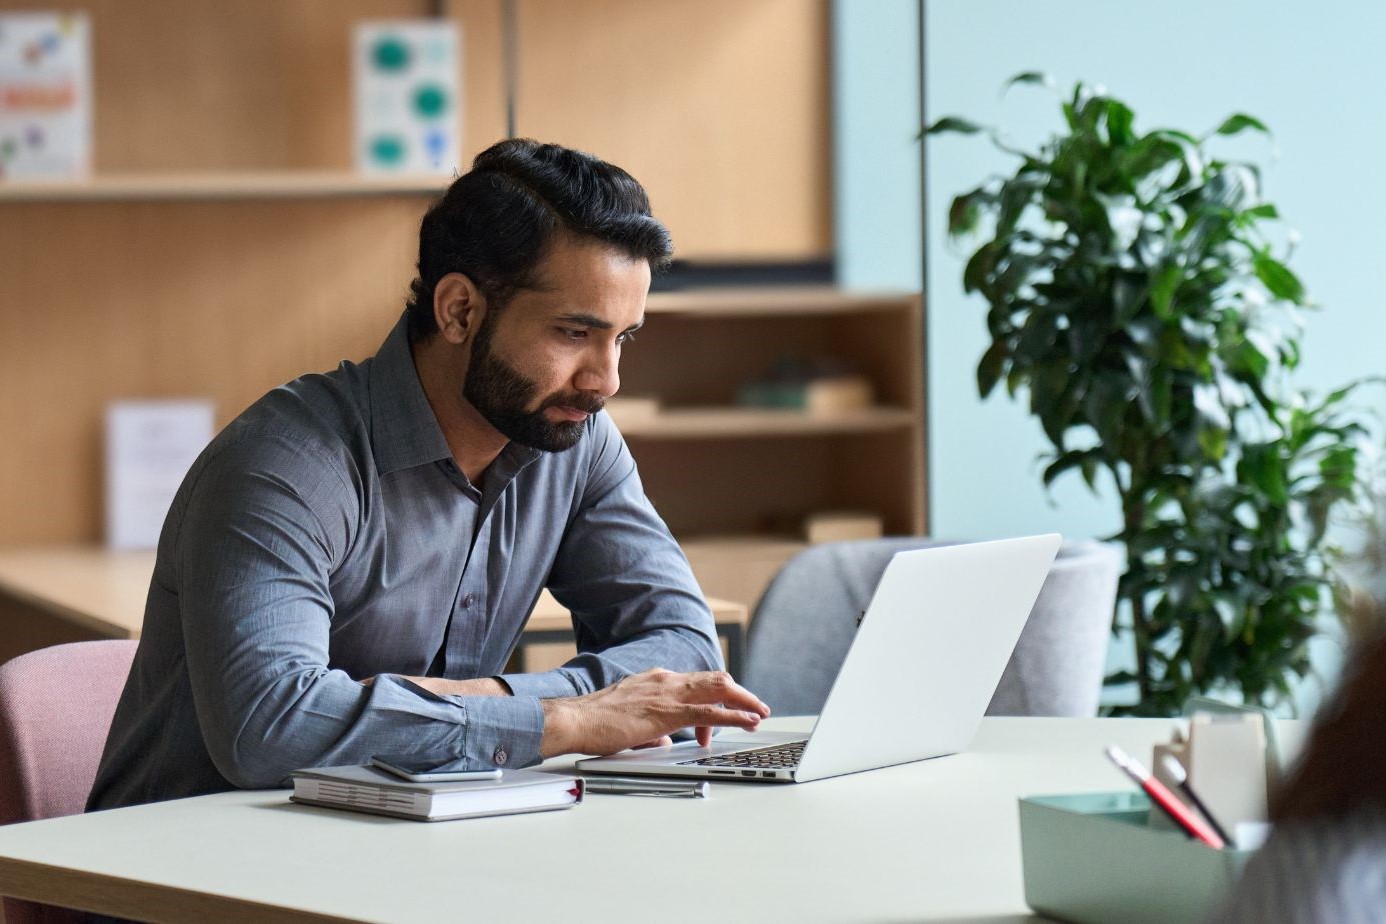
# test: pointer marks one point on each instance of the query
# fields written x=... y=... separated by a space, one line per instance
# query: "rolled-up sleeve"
x=634 y=600
x=263 y=527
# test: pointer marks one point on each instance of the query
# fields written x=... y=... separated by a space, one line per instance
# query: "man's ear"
x=458 y=308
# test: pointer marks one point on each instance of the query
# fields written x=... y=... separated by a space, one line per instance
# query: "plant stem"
x=1134 y=510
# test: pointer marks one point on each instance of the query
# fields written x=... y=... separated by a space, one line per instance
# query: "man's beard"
x=501 y=394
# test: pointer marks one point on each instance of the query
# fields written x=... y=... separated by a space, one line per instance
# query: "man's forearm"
x=477 y=686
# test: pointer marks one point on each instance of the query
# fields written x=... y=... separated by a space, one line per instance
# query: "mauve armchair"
x=56 y=706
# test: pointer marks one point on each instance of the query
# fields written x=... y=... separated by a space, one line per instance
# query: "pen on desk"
x=631 y=786
x=1165 y=799
x=1175 y=771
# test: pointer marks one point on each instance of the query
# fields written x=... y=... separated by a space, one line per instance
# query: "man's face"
x=547 y=360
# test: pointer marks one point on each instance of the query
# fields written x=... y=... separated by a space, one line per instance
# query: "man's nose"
x=601 y=373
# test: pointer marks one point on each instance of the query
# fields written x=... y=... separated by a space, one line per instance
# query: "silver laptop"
x=915 y=683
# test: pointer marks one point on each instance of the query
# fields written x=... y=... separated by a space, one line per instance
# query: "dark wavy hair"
x=495 y=222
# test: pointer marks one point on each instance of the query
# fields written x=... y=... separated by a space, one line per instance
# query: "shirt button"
x=499 y=757
x=468 y=600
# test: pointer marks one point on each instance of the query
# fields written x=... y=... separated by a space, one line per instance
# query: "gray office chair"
x=804 y=623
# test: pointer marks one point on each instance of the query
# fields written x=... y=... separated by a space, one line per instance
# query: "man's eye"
x=626 y=337
x=573 y=333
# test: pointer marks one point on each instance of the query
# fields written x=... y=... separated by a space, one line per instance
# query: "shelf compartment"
x=774 y=301
x=705 y=423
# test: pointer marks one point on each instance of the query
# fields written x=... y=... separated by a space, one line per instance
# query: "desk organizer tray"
x=1094 y=858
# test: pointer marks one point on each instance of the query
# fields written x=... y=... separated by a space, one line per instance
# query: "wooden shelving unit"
x=736 y=483
x=224 y=246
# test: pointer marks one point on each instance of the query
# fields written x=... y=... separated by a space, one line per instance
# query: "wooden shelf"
x=282 y=184
x=705 y=423
x=773 y=301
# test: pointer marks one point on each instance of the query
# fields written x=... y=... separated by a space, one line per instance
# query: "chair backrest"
x=804 y=624
x=56 y=706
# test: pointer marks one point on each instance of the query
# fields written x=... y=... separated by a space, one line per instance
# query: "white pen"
x=633 y=786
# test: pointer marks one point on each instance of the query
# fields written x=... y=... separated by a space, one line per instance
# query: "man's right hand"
x=645 y=707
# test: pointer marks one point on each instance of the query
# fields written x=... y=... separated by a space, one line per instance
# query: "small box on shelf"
x=837 y=394
x=738 y=567
x=842 y=526
x=826 y=395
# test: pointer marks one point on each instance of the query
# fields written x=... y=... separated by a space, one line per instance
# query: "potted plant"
x=1137 y=299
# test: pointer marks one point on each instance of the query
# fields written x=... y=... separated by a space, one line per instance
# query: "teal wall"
x=1315 y=73
x=875 y=147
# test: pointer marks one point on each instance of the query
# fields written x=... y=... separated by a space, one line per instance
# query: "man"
x=347 y=567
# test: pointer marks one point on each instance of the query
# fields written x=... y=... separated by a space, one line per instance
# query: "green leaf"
x=1250 y=361
x=1241 y=122
x=980 y=267
x=955 y=125
x=1263 y=468
x=1090 y=473
x=1188 y=151
x=1119 y=121
x=1264 y=210
x=1162 y=289
x=1128 y=294
x=1278 y=279
x=989 y=369
x=963 y=214
x=1038 y=78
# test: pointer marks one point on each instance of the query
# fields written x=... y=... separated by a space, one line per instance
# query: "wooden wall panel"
x=148 y=300
x=212 y=85
x=720 y=107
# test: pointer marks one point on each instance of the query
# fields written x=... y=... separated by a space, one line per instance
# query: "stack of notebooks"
x=366 y=789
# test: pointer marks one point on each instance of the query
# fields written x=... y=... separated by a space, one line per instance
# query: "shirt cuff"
x=547 y=685
x=502 y=731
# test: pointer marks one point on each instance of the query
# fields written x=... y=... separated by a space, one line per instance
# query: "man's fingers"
x=720 y=716
x=664 y=742
x=719 y=687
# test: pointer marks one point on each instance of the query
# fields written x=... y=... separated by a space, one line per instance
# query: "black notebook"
x=366 y=789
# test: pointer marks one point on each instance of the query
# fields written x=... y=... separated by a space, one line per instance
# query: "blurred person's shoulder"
x=1314 y=872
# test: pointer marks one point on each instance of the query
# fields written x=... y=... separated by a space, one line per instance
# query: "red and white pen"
x=1165 y=799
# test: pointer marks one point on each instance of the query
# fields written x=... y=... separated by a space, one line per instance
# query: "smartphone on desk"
x=423 y=769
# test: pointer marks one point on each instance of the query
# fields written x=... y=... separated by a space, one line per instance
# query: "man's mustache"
x=588 y=404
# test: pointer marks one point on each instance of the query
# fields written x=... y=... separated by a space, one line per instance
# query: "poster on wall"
x=45 y=96
x=150 y=445
x=408 y=96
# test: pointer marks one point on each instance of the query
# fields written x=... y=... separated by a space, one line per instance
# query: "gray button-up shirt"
x=326 y=536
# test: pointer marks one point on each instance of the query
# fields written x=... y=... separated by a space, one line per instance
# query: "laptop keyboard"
x=776 y=757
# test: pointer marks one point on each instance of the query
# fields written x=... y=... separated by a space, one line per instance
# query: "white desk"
x=936 y=840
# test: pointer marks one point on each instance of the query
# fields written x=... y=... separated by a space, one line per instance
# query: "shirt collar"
x=404 y=432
